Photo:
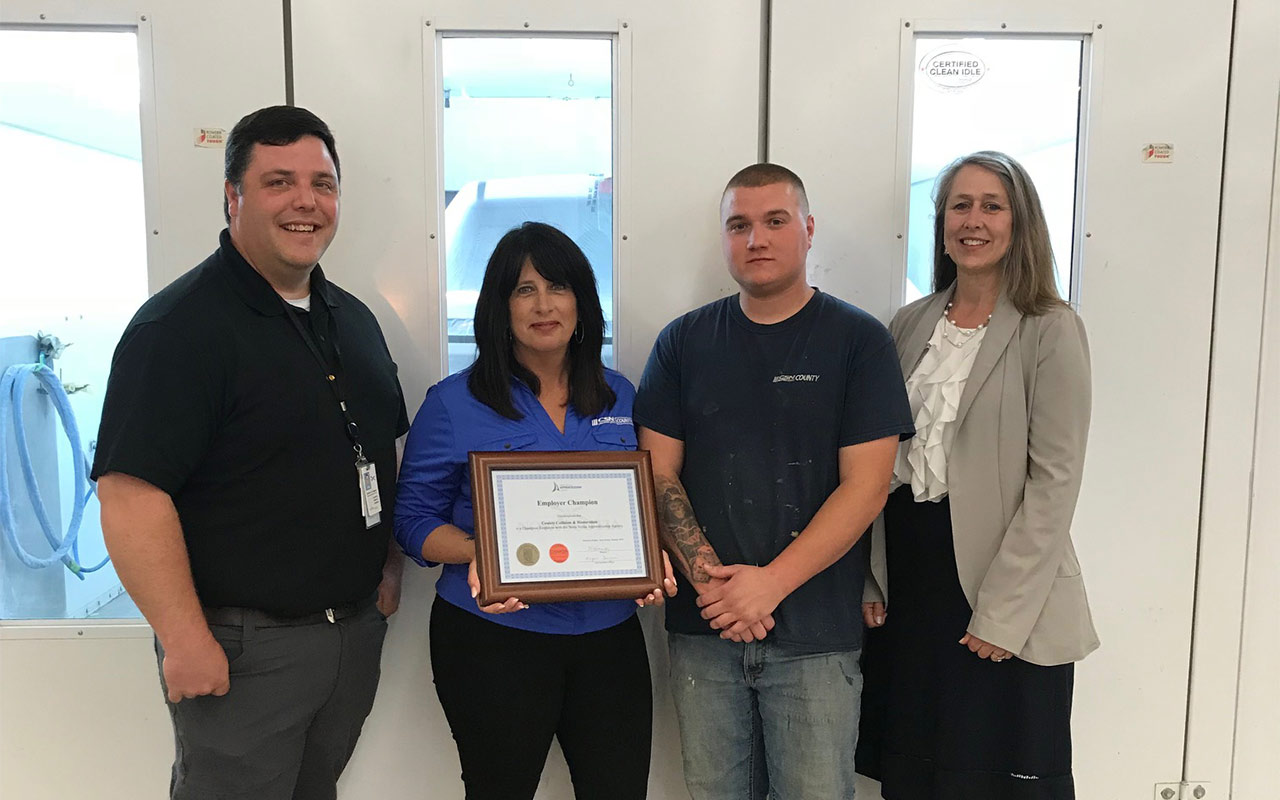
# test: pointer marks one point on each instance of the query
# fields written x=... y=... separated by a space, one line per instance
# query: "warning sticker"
x=211 y=137
x=1157 y=153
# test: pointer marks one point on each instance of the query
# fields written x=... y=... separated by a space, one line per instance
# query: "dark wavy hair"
x=556 y=258
x=274 y=125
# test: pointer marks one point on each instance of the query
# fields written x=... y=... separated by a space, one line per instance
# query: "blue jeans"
x=761 y=721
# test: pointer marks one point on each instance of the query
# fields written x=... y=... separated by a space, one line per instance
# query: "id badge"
x=370 y=500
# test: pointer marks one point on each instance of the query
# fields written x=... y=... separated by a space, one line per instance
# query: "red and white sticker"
x=211 y=137
x=1157 y=153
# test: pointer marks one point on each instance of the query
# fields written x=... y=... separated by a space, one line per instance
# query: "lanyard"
x=331 y=375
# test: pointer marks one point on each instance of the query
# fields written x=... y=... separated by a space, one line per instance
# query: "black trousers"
x=286 y=729
x=507 y=692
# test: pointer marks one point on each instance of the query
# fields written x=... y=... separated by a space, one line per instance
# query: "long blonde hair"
x=1026 y=272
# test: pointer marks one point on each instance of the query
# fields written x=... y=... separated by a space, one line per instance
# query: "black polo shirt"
x=215 y=398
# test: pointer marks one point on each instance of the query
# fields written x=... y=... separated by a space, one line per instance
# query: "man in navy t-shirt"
x=772 y=418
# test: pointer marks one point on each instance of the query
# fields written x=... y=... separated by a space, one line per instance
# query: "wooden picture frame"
x=534 y=518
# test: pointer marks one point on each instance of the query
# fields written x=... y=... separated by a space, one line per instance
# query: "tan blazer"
x=1013 y=476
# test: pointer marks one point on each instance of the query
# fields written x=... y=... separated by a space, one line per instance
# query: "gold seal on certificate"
x=528 y=554
x=559 y=526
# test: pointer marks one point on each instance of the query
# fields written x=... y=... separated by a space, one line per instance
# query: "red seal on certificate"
x=559 y=553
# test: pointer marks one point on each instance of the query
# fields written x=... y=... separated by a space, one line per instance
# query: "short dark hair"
x=274 y=125
x=556 y=258
x=766 y=174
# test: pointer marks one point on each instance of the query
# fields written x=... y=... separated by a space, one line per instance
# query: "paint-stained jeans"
x=760 y=721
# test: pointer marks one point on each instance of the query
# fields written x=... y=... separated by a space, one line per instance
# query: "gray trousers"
x=286 y=729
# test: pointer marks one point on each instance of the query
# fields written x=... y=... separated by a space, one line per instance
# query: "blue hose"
x=67 y=549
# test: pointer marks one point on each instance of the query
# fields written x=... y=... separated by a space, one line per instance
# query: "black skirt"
x=939 y=723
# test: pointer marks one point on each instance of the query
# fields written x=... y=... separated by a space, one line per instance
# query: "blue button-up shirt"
x=435 y=483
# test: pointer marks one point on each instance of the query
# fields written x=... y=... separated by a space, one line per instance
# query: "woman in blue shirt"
x=511 y=676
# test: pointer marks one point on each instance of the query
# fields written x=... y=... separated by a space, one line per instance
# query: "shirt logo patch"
x=801 y=378
x=610 y=421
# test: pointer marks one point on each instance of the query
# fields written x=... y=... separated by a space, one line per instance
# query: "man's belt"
x=230 y=615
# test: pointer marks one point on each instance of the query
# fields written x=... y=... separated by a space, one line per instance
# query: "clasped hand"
x=739 y=601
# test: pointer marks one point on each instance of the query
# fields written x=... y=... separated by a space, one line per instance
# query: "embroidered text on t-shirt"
x=610 y=421
x=805 y=378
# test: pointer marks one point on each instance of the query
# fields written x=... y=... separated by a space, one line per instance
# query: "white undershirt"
x=303 y=303
x=934 y=390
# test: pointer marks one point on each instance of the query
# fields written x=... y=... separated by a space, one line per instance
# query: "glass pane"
x=74 y=268
x=1020 y=96
x=528 y=136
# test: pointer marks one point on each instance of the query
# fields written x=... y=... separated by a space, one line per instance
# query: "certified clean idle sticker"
x=1157 y=153
x=211 y=137
x=953 y=68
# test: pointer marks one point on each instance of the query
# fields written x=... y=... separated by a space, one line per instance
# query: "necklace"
x=957 y=336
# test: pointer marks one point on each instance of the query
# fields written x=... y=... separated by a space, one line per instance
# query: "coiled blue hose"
x=65 y=549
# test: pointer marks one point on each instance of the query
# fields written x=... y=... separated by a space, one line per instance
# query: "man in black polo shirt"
x=246 y=466
x=772 y=418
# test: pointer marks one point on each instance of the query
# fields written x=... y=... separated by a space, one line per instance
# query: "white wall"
x=1238 y=571
x=1255 y=501
x=1257 y=725
x=92 y=691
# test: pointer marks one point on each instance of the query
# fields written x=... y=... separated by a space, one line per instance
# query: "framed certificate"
x=558 y=526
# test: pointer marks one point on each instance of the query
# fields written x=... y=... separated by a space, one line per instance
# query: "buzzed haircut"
x=766 y=174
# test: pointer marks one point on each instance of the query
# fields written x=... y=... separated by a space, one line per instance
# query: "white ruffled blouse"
x=934 y=390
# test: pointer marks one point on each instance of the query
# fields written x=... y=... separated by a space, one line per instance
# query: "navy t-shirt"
x=763 y=411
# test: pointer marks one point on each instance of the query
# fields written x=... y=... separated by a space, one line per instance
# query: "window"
x=73 y=265
x=527 y=135
x=1020 y=95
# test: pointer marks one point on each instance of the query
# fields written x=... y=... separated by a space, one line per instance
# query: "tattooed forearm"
x=681 y=534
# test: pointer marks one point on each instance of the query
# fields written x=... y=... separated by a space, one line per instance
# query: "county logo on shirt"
x=803 y=377
x=610 y=421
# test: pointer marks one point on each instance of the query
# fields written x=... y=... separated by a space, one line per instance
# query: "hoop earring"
x=580 y=333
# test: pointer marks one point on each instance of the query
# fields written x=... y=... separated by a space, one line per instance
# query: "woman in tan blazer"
x=969 y=683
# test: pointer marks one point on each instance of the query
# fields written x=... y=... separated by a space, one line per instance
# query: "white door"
x=863 y=100
x=109 y=194
x=619 y=122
